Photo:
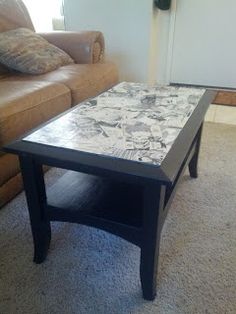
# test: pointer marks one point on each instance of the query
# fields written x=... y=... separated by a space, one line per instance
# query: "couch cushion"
x=84 y=80
x=23 y=50
x=24 y=105
x=13 y=14
x=10 y=188
x=9 y=167
x=10 y=173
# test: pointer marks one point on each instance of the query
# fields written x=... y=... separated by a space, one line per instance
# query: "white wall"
x=130 y=30
x=153 y=47
x=163 y=47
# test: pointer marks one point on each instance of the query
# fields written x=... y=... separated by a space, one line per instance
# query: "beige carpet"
x=89 y=271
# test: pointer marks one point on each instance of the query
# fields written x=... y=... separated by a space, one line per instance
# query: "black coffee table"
x=125 y=152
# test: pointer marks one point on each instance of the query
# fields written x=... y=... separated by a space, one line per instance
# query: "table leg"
x=154 y=197
x=33 y=179
x=193 y=164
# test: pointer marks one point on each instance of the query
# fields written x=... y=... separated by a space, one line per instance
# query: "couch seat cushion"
x=84 y=80
x=26 y=104
x=9 y=167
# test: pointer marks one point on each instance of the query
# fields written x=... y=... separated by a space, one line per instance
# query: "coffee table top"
x=131 y=121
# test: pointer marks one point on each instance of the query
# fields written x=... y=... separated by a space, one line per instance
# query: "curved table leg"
x=154 y=197
x=33 y=179
x=193 y=164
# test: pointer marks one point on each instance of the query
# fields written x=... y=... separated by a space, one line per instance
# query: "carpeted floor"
x=89 y=271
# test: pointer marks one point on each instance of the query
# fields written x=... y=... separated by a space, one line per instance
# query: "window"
x=46 y=15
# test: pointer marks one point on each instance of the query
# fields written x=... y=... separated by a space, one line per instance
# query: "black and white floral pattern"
x=130 y=121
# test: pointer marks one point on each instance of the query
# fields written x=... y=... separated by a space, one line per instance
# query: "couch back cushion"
x=13 y=14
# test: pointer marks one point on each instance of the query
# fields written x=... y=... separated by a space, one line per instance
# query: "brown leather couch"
x=28 y=100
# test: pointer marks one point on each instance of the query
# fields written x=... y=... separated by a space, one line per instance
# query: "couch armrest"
x=83 y=47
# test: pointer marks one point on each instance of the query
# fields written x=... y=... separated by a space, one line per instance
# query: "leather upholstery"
x=13 y=14
x=14 y=185
x=39 y=102
x=9 y=167
x=84 y=80
x=18 y=96
x=83 y=47
x=10 y=189
x=29 y=100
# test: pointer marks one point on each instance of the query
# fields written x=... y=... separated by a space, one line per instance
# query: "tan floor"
x=221 y=114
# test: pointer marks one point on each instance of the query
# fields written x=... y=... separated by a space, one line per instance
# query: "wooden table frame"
x=154 y=188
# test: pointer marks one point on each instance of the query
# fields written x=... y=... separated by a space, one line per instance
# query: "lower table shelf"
x=95 y=201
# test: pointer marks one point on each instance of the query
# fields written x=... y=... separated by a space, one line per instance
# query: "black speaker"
x=163 y=4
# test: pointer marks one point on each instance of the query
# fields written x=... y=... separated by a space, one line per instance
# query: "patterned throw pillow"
x=23 y=50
